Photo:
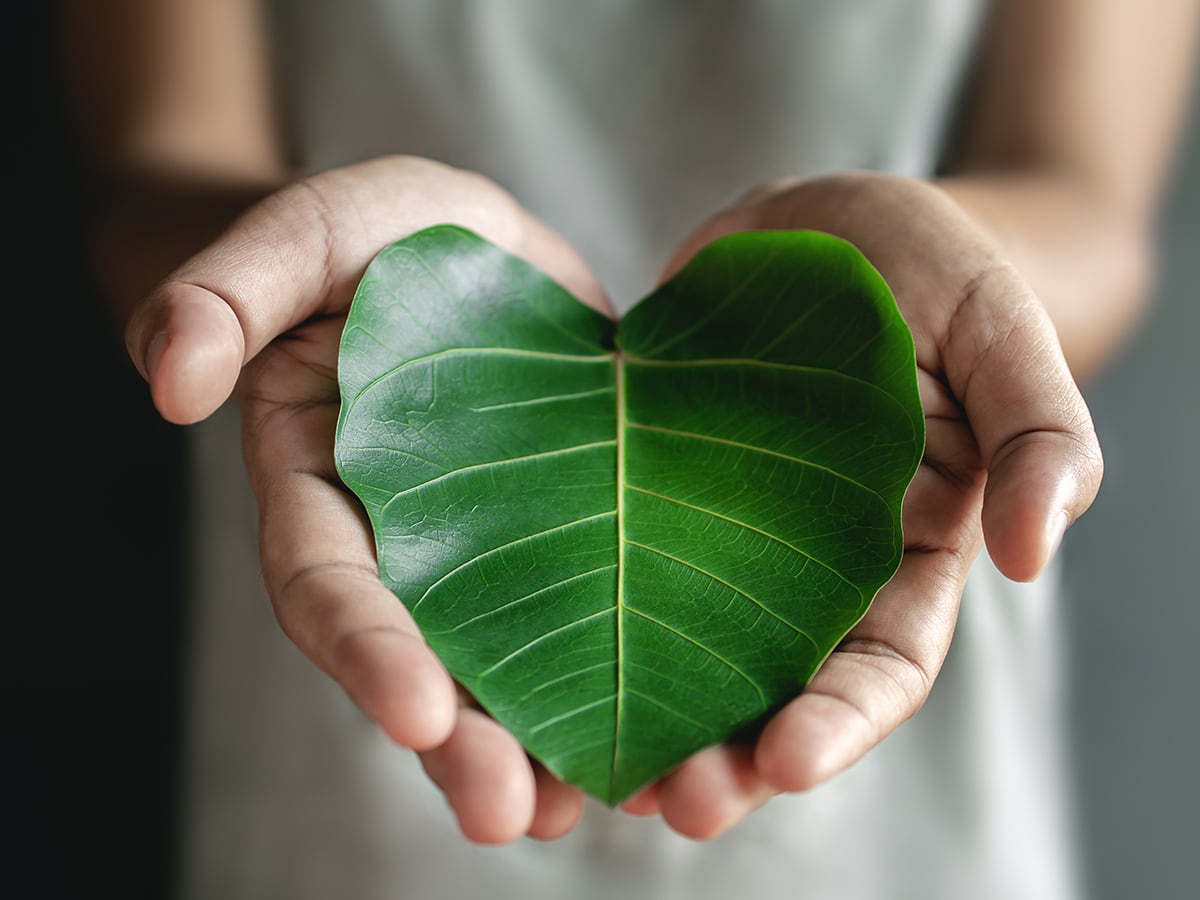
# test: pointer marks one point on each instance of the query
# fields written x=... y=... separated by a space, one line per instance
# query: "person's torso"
x=624 y=124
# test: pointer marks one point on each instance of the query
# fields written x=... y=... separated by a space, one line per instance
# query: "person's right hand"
x=261 y=311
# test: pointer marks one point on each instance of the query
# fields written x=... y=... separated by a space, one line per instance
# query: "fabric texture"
x=623 y=125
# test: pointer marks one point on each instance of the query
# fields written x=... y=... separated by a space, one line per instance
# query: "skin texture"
x=1019 y=273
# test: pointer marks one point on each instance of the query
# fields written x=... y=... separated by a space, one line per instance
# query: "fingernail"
x=154 y=352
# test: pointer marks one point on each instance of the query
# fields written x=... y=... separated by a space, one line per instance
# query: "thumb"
x=1033 y=428
x=267 y=272
x=188 y=344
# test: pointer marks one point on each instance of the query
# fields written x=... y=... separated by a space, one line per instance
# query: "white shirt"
x=622 y=124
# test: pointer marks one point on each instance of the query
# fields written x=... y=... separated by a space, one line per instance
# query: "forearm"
x=1064 y=147
x=1091 y=264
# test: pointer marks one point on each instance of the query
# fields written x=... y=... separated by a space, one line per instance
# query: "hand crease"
x=881 y=650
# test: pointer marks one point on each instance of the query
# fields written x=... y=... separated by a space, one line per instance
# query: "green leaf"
x=630 y=542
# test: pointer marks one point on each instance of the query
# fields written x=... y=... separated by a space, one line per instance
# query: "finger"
x=712 y=791
x=1039 y=484
x=324 y=586
x=487 y=779
x=645 y=801
x=1034 y=430
x=301 y=252
x=558 y=806
x=319 y=567
x=876 y=680
x=881 y=674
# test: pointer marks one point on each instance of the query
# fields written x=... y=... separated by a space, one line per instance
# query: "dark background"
x=98 y=595
x=96 y=601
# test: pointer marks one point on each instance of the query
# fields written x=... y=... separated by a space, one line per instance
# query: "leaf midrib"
x=619 y=379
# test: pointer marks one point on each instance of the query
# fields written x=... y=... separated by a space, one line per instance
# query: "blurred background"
x=97 y=607
x=1134 y=599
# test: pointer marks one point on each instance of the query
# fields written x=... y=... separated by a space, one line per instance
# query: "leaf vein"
x=491 y=464
x=785 y=333
x=554 y=720
x=772 y=364
x=486 y=351
x=743 y=446
x=742 y=361
x=683 y=562
x=707 y=729
x=714 y=654
x=748 y=527
x=522 y=599
x=545 y=685
x=716 y=309
x=552 y=321
x=513 y=543
x=545 y=636
x=578 y=395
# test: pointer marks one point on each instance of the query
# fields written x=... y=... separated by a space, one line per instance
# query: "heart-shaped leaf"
x=630 y=541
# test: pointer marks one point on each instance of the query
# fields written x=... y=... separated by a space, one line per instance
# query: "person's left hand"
x=1011 y=458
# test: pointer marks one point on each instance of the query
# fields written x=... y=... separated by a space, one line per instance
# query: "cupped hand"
x=1011 y=460
x=259 y=314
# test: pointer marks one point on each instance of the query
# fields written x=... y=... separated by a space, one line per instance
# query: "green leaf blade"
x=629 y=557
x=746 y=297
